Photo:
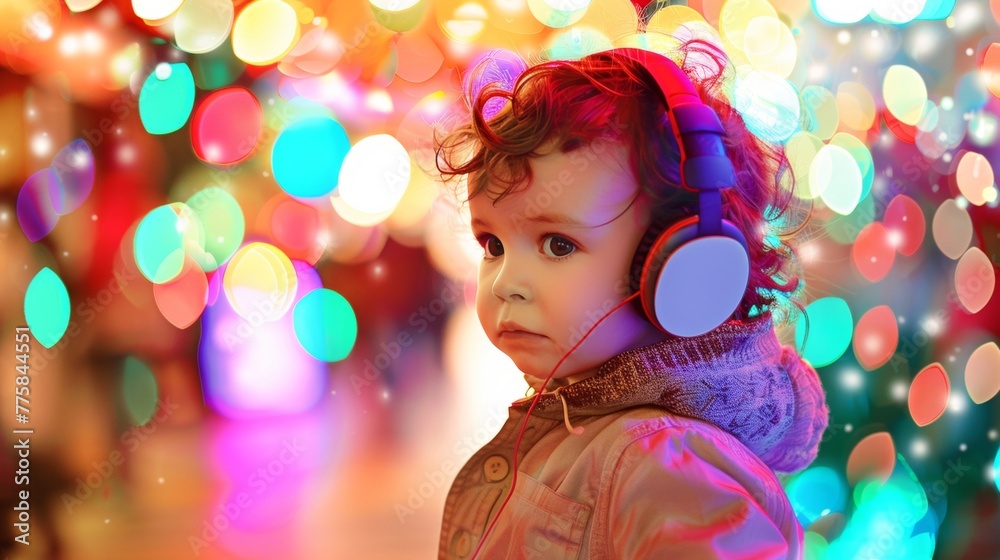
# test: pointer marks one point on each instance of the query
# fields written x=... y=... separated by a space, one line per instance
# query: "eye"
x=558 y=247
x=491 y=244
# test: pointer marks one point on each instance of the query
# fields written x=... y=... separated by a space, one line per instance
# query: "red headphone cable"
x=517 y=443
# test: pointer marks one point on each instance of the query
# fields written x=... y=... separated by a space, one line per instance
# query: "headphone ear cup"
x=652 y=262
x=653 y=233
x=691 y=285
x=649 y=238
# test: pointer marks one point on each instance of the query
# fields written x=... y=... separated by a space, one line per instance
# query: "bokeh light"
x=824 y=331
x=47 y=307
x=357 y=217
x=298 y=229
x=463 y=23
x=226 y=126
x=374 y=174
x=801 y=150
x=161 y=239
x=325 y=325
x=814 y=544
x=81 y=5
x=952 y=229
x=166 y=98
x=874 y=457
x=558 y=13
x=308 y=155
x=905 y=93
x=930 y=119
x=399 y=16
x=222 y=229
x=200 y=27
x=996 y=470
x=139 y=391
x=182 y=299
x=897 y=12
x=819 y=112
x=974 y=176
x=983 y=129
x=834 y=173
x=816 y=492
x=873 y=252
x=260 y=282
x=155 y=10
x=769 y=104
x=419 y=59
x=876 y=337
x=841 y=12
x=36 y=214
x=265 y=31
x=905 y=221
x=982 y=373
x=886 y=518
x=855 y=105
x=668 y=21
x=862 y=157
x=316 y=53
x=576 y=43
x=497 y=67
x=737 y=15
x=769 y=45
x=929 y=392
x=975 y=280
x=253 y=368
x=991 y=68
x=971 y=93
x=124 y=64
x=74 y=167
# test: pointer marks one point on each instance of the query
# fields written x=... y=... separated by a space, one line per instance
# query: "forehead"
x=592 y=184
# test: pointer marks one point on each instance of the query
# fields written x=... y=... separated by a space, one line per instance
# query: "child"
x=670 y=443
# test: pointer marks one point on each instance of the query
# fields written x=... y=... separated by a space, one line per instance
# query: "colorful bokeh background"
x=250 y=302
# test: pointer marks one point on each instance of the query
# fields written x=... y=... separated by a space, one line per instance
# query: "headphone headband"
x=694 y=275
x=704 y=166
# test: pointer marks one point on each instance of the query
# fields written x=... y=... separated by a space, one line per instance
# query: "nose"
x=512 y=281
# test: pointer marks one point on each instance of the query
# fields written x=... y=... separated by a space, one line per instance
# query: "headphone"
x=692 y=276
x=689 y=277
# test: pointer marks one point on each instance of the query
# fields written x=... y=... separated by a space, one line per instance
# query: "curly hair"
x=604 y=96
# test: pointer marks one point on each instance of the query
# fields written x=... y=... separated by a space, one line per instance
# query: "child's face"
x=555 y=280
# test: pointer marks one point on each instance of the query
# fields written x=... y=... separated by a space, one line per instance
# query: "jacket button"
x=463 y=545
x=496 y=468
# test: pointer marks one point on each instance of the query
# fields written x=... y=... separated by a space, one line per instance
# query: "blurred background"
x=242 y=306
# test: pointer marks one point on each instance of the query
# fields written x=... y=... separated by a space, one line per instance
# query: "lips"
x=511 y=329
x=519 y=338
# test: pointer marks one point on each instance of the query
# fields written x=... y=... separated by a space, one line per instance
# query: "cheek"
x=484 y=300
x=582 y=302
x=566 y=305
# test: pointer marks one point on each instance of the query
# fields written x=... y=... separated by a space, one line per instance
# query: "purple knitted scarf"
x=737 y=377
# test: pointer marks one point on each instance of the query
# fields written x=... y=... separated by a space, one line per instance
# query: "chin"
x=527 y=367
x=532 y=369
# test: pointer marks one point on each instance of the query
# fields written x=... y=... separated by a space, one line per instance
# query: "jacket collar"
x=731 y=377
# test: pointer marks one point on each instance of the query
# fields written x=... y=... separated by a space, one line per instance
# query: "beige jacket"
x=642 y=482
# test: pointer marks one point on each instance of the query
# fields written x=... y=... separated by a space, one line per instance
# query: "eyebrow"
x=556 y=218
